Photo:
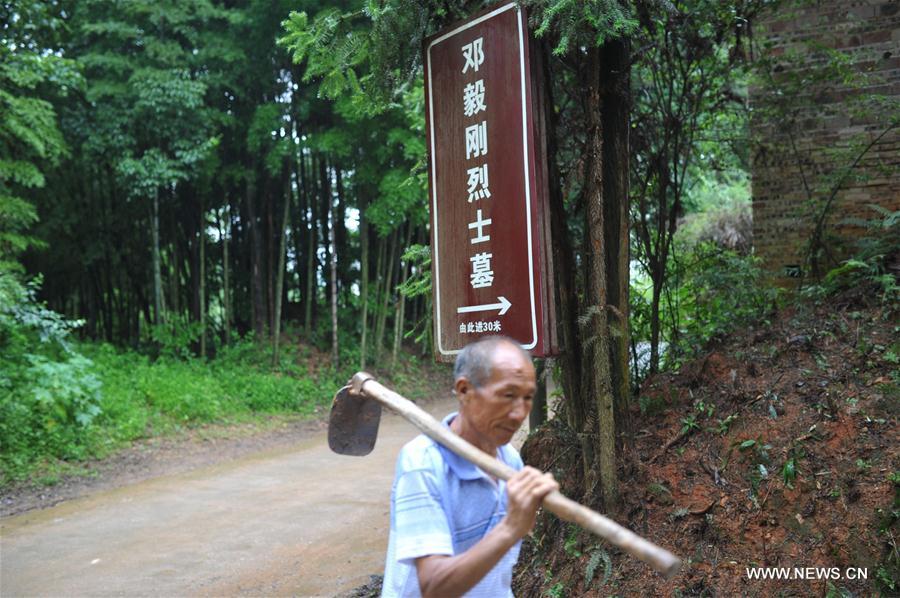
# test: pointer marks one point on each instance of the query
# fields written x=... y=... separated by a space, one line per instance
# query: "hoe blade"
x=353 y=423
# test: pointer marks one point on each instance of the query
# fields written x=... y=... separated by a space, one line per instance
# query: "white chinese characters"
x=480 y=326
x=478 y=187
x=474 y=55
x=480 y=223
x=476 y=140
x=478 y=183
x=482 y=275
x=473 y=98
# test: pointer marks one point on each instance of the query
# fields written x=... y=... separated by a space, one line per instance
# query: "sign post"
x=490 y=241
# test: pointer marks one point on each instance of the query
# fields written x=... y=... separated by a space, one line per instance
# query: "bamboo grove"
x=208 y=192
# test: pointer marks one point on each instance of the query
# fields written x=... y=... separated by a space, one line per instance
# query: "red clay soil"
x=818 y=388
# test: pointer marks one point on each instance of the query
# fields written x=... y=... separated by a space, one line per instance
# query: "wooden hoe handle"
x=567 y=509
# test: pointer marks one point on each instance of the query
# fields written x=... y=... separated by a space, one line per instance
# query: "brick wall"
x=803 y=151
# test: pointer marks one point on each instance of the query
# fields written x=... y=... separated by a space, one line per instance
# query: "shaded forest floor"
x=776 y=448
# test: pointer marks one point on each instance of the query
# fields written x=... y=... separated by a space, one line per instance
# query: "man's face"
x=496 y=410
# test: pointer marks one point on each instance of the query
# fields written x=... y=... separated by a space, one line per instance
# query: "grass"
x=140 y=398
x=138 y=393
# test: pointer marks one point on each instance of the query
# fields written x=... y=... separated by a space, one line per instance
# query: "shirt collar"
x=463 y=468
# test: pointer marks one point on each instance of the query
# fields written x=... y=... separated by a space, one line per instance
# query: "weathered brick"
x=867 y=31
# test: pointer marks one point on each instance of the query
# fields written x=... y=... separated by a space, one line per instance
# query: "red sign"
x=489 y=242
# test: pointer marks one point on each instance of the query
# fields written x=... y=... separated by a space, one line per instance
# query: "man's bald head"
x=476 y=361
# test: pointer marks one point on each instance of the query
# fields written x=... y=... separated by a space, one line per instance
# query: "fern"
x=597 y=556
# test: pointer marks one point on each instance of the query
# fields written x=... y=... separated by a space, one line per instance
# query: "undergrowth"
x=63 y=401
x=102 y=397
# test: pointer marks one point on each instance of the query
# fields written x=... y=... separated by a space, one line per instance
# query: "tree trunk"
x=225 y=234
x=538 y=413
x=388 y=290
x=325 y=210
x=202 y=288
x=158 y=316
x=567 y=299
x=191 y=223
x=401 y=303
x=615 y=65
x=279 y=276
x=270 y=256
x=333 y=262
x=596 y=295
x=311 y=269
x=174 y=265
x=340 y=233
x=659 y=261
x=657 y=279
x=364 y=279
x=258 y=298
x=379 y=283
x=111 y=301
x=298 y=226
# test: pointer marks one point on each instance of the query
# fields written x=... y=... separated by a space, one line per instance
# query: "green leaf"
x=21 y=172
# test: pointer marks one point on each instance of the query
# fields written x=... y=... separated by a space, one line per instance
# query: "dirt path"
x=298 y=520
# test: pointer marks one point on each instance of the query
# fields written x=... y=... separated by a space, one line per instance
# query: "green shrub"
x=49 y=395
x=176 y=336
x=174 y=392
x=868 y=267
x=710 y=292
x=721 y=291
x=70 y=402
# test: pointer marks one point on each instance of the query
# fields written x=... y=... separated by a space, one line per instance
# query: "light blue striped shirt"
x=444 y=504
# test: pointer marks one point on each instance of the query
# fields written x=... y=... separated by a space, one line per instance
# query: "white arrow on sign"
x=503 y=306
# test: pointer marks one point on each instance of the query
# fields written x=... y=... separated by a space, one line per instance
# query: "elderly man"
x=455 y=529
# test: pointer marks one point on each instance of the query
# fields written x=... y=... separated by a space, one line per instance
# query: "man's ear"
x=462 y=387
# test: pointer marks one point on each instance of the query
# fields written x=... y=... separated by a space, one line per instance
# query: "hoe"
x=353 y=428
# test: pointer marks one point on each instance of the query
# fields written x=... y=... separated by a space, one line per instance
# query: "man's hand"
x=525 y=491
x=441 y=575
